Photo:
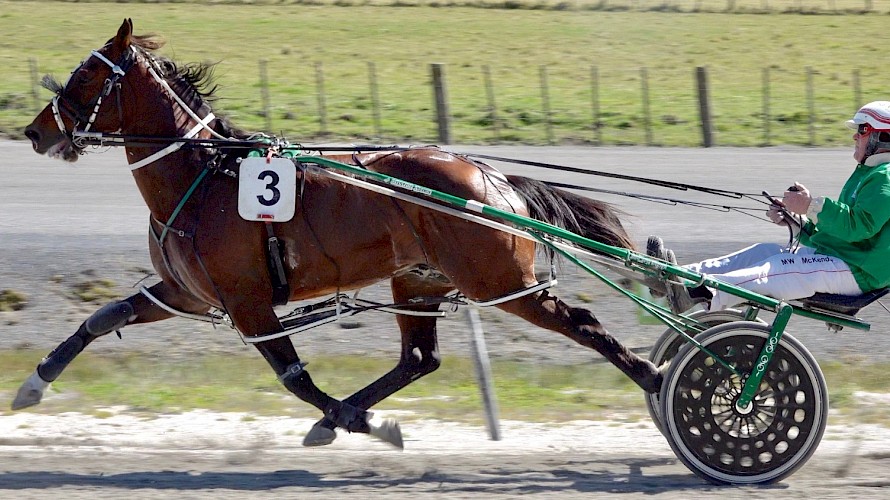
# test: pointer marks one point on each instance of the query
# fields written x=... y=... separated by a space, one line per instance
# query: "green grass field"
x=569 y=39
x=525 y=391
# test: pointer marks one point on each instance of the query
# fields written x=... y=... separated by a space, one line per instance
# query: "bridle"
x=112 y=82
x=128 y=59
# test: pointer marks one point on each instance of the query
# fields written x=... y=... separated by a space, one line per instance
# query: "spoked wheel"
x=671 y=341
x=763 y=443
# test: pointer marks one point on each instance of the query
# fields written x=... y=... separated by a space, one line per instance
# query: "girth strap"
x=274 y=254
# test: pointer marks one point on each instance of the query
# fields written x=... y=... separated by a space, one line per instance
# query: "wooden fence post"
x=857 y=91
x=811 y=108
x=647 y=114
x=704 y=106
x=595 y=102
x=766 y=110
x=322 y=112
x=492 y=106
x=33 y=64
x=264 y=95
x=375 y=99
x=545 y=102
x=440 y=92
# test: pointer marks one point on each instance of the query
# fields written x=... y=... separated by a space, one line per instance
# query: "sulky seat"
x=843 y=304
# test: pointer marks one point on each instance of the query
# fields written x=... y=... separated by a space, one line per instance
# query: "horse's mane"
x=194 y=82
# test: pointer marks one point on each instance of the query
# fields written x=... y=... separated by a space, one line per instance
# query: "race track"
x=61 y=223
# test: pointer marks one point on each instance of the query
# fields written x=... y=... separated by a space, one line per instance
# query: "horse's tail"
x=593 y=219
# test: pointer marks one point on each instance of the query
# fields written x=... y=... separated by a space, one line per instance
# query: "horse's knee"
x=108 y=318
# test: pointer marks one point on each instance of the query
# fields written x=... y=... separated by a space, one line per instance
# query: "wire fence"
x=552 y=104
x=556 y=104
x=739 y=6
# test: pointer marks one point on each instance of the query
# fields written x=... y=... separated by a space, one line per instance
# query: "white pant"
x=770 y=269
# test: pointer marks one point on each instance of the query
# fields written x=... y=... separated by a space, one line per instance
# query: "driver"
x=843 y=243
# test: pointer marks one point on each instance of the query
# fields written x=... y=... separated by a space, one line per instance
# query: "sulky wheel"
x=771 y=439
x=671 y=341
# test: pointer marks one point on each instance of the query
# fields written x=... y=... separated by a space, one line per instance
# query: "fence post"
x=483 y=373
x=595 y=102
x=704 y=106
x=375 y=99
x=264 y=95
x=440 y=92
x=492 y=107
x=766 y=110
x=857 y=91
x=33 y=64
x=811 y=107
x=647 y=115
x=545 y=102
x=322 y=112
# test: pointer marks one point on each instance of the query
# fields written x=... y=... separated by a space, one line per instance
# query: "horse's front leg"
x=110 y=317
x=282 y=357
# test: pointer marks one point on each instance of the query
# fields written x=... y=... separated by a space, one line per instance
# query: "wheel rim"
x=762 y=443
x=670 y=342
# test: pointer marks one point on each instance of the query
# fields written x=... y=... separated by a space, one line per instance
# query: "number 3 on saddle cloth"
x=267 y=192
x=267 y=189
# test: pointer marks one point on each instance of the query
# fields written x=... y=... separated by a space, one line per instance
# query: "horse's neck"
x=164 y=182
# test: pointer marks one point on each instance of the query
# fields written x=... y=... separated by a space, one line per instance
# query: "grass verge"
x=525 y=391
x=318 y=45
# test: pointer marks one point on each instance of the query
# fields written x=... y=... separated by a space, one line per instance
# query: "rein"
x=100 y=139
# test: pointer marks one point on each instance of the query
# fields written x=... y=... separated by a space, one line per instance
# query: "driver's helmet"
x=876 y=114
x=873 y=120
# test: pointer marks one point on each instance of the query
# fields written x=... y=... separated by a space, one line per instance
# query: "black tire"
x=724 y=445
x=667 y=345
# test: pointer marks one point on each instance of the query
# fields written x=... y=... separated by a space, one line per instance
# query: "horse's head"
x=85 y=102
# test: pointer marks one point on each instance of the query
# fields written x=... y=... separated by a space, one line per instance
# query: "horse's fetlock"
x=109 y=318
x=296 y=379
x=349 y=417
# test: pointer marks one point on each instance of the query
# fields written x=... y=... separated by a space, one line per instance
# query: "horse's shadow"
x=579 y=476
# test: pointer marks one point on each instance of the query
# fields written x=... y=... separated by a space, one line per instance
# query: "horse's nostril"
x=33 y=135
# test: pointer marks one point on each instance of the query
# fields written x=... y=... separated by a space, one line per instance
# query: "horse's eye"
x=82 y=77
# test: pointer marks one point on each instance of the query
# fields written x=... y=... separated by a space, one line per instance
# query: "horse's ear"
x=122 y=39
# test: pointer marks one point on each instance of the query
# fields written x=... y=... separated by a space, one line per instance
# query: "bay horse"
x=341 y=238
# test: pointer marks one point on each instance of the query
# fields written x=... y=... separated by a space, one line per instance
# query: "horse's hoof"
x=30 y=393
x=388 y=430
x=319 y=435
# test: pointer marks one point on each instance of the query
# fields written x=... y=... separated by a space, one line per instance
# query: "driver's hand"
x=797 y=199
x=775 y=214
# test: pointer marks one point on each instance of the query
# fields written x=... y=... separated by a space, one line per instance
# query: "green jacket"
x=856 y=226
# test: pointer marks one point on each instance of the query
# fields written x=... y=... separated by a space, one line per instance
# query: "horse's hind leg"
x=580 y=325
x=419 y=356
x=110 y=317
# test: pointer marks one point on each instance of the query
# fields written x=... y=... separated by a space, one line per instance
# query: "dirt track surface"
x=201 y=455
x=61 y=226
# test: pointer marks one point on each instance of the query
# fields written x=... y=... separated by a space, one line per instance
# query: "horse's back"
x=447 y=172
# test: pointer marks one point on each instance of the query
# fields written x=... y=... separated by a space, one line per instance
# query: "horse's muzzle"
x=55 y=145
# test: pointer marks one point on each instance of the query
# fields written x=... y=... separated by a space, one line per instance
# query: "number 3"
x=276 y=194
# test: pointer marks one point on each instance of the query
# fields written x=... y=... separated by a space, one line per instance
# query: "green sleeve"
x=862 y=219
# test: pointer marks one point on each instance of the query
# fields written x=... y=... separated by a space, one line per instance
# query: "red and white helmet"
x=876 y=114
